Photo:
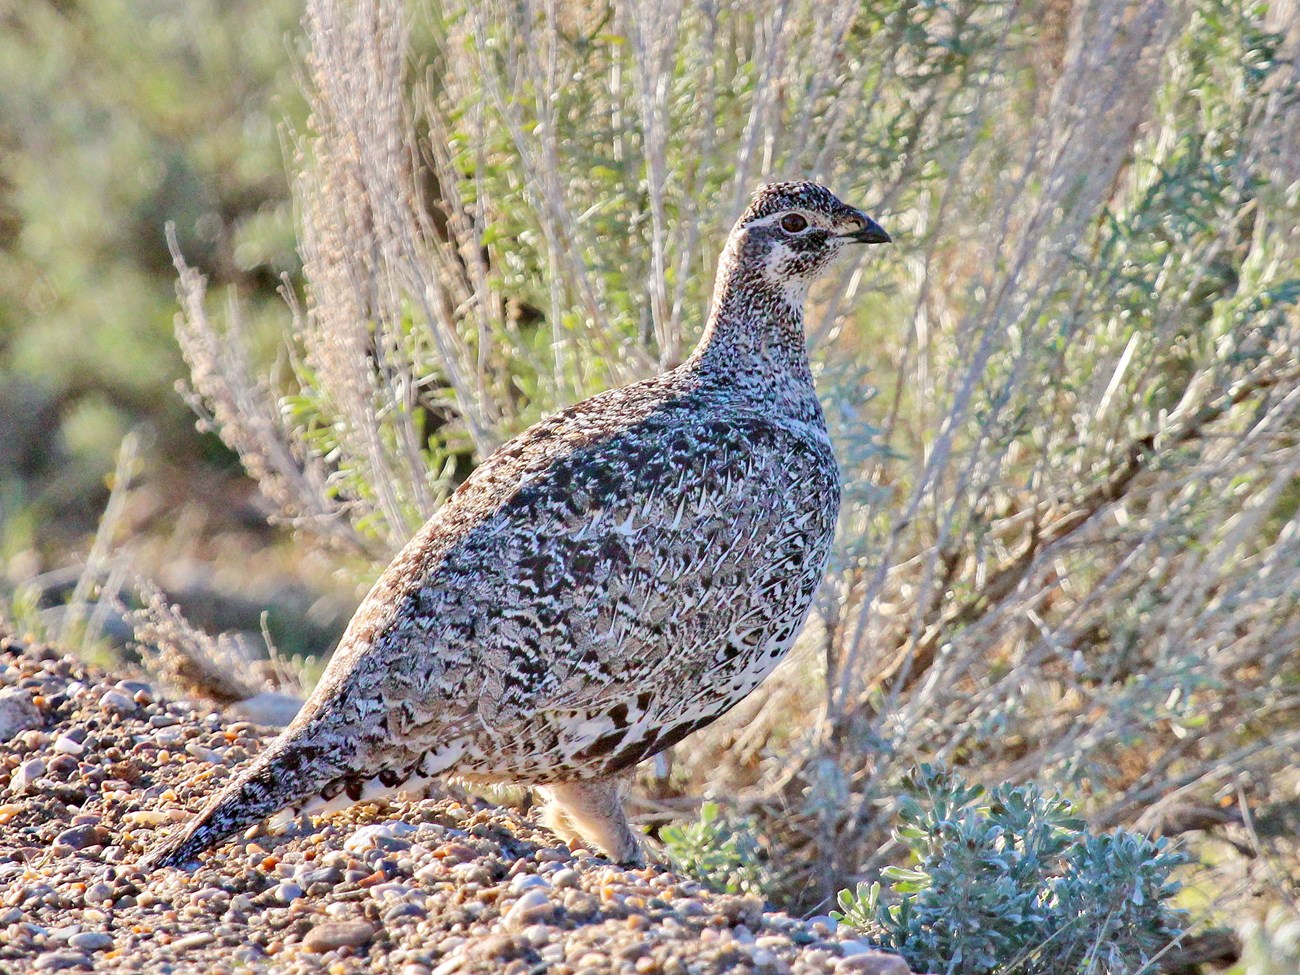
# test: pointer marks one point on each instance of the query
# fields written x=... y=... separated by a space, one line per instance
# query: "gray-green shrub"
x=1010 y=880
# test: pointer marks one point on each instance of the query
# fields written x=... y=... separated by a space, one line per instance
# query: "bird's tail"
x=288 y=773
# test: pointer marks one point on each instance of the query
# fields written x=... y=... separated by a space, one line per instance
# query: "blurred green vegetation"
x=117 y=118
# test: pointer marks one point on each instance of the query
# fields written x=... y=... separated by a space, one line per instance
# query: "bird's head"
x=792 y=231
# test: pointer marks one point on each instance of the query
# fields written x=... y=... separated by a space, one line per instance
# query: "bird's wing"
x=618 y=562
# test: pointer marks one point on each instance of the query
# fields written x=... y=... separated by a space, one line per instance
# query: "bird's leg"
x=592 y=810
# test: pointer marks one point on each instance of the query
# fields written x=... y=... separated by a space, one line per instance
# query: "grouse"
x=616 y=577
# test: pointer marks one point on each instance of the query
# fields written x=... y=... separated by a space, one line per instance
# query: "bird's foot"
x=590 y=813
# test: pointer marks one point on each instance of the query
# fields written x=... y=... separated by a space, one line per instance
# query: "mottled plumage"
x=614 y=578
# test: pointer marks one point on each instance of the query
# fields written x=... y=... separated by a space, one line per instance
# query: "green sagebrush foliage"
x=721 y=852
x=1010 y=880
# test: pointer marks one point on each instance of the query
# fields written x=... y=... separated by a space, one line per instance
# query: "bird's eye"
x=793 y=223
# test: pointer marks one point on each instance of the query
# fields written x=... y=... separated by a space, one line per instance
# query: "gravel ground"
x=91 y=767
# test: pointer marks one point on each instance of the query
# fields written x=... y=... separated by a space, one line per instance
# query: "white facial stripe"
x=774 y=266
x=779 y=253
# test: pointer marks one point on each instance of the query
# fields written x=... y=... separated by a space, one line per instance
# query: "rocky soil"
x=92 y=768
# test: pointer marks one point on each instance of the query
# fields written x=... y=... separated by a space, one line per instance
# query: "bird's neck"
x=753 y=345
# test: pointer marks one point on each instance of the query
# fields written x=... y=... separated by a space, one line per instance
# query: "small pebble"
x=287 y=893
x=17 y=713
x=140 y=692
x=472 y=873
x=98 y=893
x=91 y=941
x=453 y=853
x=80 y=837
x=146 y=817
x=568 y=877
x=389 y=892
x=67 y=745
x=116 y=701
x=399 y=911
x=204 y=754
x=337 y=934
x=309 y=874
x=57 y=961
x=378 y=835
x=197 y=940
x=431 y=873
x=539 y=934
x=533 y=905
x=527 y=881
x=26 y=774
x=552 y=954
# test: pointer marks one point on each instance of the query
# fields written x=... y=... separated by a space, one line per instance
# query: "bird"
x=616 y=577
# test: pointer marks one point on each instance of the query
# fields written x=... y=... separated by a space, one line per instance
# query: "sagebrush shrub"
x=719 y=851
x=1010 y=880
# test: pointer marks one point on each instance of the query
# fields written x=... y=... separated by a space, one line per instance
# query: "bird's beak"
x=869 y=233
